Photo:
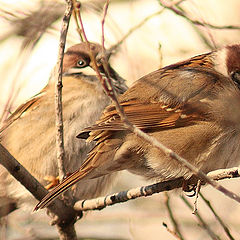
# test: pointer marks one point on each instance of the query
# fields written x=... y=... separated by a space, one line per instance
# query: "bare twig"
x=171 y=231
x=106 y=82
x=115 y=46
x=176 y=231
x=58 y=90
x=171 y=7
x=102 y=202
x=65 y=214
x=76 y=7
x=31 y=24
x=196 y=196
x=224 y=173
x=203 y=37
x=69 y=231
x=202 y=222
x=103 y=21
x=227 y=231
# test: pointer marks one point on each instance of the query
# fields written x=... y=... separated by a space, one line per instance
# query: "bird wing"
x=21 y=110
x=157 y=101
x=147 y=116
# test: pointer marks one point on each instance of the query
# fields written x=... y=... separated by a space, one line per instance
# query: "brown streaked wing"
x=159 y=101
x=147 y=117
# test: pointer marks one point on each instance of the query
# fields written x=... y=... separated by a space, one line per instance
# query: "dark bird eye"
x=81 y=63
x=236 y=77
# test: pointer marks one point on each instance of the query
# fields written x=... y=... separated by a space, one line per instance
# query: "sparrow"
x=29 y=133
x=192 y=107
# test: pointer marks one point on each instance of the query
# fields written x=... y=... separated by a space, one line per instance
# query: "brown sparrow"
x=29 y=133
x=192 y=107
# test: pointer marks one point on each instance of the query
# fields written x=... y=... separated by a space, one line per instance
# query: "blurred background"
x=155 y=34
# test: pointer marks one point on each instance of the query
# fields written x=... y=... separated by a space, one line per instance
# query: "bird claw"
x=189 y=187
x=53 y=181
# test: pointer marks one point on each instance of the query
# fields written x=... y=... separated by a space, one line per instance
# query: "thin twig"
x=58 y=91
x=67 y=232
x=224 y=173
x=130 y=31
x=171 y=231
x=196 y=196
x=106 y=82
x=103 y=21
x=227 y=231
x=199 y=32
x=202 y=222
x=176 y=231
x=171 y=7
x=76 y=7
x=203 y=37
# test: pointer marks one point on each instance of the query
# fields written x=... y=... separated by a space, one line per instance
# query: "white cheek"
x=220 y=61
x=86 y=71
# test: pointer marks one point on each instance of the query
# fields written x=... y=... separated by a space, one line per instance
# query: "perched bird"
x=192 y=107
x=29 y=133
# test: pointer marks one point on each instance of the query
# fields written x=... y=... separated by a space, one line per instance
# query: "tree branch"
x=58 y=91
x=102 y=202
x=64 y=214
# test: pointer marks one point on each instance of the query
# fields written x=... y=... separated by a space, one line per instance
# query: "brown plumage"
x=191 y=107
x=29 y=133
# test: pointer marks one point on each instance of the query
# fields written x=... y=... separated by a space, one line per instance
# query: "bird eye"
x=236 y=77
x=81 y=63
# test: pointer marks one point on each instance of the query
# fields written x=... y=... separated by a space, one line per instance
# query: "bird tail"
x=99 y=163
x=62 y=187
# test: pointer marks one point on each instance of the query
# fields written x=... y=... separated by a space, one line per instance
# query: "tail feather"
x=99 y=163
x=62 y=187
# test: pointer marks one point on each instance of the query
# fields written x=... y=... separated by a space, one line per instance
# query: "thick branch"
x=65 y=214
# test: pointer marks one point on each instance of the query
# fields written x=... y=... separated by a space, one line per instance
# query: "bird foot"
x=53 y=181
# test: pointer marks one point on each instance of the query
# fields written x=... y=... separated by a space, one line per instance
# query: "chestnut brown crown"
x=79 y=56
